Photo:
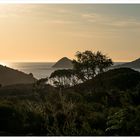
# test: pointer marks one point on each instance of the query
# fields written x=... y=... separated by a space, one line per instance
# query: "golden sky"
x=33 y=32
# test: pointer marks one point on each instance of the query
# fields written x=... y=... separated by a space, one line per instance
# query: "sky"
x=48 y=32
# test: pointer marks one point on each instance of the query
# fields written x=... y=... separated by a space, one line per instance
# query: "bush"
x=10 y=119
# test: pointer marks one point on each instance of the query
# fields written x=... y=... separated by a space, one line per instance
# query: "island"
x=63 y=63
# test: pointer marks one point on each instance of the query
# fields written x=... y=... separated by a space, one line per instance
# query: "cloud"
x=116 y=22
x=125 y=23
x=59 y=21
x=91 y=17
x=62 y=15
x=16 y=10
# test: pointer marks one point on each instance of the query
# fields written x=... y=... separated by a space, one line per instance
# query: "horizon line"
x=43 y=61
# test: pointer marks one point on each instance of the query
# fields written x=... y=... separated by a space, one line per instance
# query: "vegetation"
x=86 y=67
x=64 y=78
x=105 y=105
x=89 y=64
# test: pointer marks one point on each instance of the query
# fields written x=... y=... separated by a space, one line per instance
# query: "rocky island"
x=63 y=63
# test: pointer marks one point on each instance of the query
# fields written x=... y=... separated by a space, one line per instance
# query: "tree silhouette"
x=88 y=64
x=63 y=78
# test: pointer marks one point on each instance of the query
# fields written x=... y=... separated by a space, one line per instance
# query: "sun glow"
x=4 y=63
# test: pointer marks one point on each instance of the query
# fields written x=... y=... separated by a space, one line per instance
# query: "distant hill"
x=121 y=78
x=134 y=64
x=63 y=63
x=9 y=76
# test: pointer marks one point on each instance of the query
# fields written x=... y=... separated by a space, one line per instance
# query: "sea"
x=38 y=69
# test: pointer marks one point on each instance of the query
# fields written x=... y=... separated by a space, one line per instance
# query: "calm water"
x=39 y=70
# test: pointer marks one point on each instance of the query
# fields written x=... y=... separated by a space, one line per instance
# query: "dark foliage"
x=107 y=105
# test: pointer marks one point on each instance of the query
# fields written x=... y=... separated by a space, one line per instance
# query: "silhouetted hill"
x=63 y=63
x=134 y=64
x=9 y=76
x=121 y=78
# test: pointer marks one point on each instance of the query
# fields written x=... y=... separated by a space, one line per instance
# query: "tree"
x=88 y=64
x=102 y=62
x=63 y=78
